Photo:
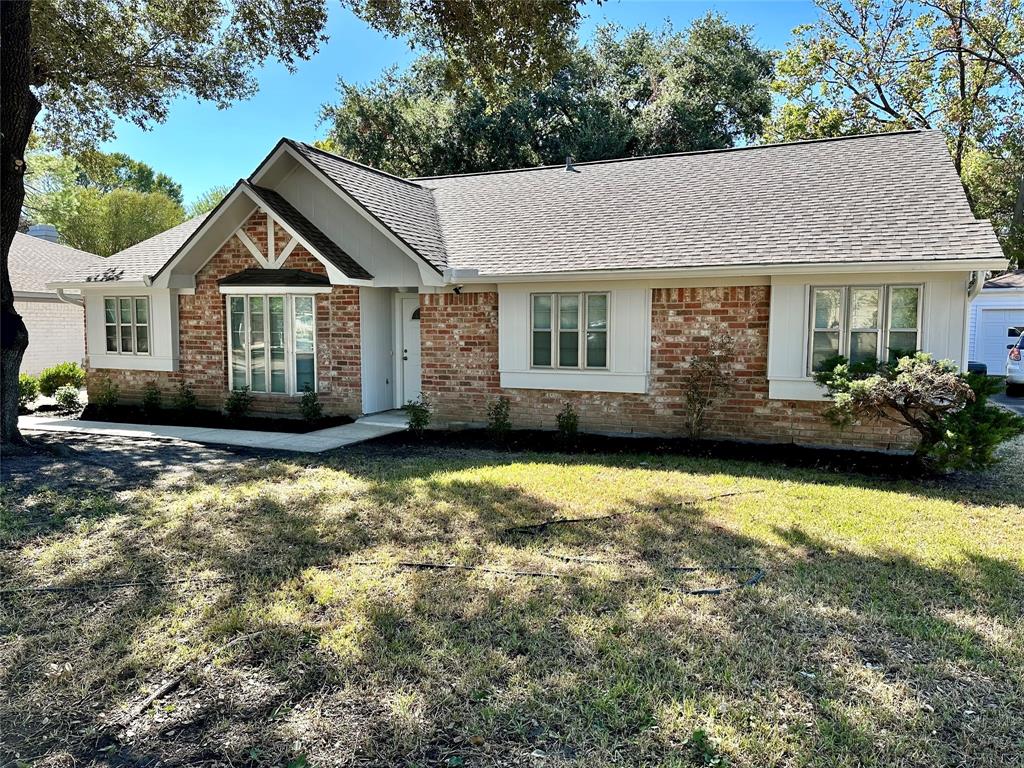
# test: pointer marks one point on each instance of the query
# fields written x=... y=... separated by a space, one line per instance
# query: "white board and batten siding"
x=942 y=333
x=994 y=312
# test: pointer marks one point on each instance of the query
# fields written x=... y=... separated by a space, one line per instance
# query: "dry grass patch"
x=887 y=630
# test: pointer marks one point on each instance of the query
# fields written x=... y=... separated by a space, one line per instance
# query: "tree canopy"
x=642 y=92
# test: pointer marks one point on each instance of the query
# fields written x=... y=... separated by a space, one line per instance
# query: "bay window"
x=126 y=324
x=864 y=323
x=272 y=343
x=569 y=330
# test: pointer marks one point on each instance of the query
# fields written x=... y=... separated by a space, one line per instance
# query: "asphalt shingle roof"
x=889 y=197
x=1013 y=279
x=285 y=277
x=34 y=262
x=323 y=244
x=406 y=208
x=145 y=258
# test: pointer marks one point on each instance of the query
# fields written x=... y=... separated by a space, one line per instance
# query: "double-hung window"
x=126 y=323
x=272 y=343
x=864 y=323
x=569 y=330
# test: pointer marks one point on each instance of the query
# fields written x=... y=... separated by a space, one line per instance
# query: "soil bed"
x=128 y=414
x=535 y=440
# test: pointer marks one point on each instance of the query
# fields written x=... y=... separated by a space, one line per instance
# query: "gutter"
x=78 y=301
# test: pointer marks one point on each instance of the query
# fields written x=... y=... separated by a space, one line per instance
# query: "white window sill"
x=132 y=362
x=575 y=381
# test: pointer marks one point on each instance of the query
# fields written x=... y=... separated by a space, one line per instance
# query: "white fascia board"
x=353 y=203
x=98 y=284
x=957 y=265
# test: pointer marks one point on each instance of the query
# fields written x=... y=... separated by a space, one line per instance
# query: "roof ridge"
x=795 y=142
x=356 y=163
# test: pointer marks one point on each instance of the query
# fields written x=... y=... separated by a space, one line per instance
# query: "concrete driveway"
x=1015 y=404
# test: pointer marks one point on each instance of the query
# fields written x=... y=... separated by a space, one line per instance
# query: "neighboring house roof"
x=881 y=198
x=886 y=197
x=1012 y=280
x=404 y=207
x=34 y=262
x=277 y=277
x=321 y=242
x=145 y=258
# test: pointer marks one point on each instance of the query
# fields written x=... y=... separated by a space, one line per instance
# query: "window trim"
x=581 y=331
x=289 y=342
x=846 y=313
x=135 y=325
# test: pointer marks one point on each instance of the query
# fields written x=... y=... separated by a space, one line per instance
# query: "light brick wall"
x=56 y=333
x=460 y=373
x=203 y=346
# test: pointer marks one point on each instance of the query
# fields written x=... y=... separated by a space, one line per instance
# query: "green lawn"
x=886 y=631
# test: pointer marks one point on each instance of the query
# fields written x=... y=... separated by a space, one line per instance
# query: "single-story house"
x=591 y=284
x=997 y=319
x=54 y=318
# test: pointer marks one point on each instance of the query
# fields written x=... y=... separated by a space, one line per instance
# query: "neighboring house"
x=56 y=328
x=997 y=319
x=589 y=284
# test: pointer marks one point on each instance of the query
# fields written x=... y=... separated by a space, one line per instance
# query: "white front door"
x=409 y=311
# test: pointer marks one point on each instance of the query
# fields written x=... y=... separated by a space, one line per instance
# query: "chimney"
x=568 y=163
x=44 y=232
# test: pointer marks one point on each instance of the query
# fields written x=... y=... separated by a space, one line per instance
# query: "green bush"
x=957 y=428
x=57 y=376
x=67 y=399
x=419 y=415
x=309 y=405
x=106 y=395
x=151 y=398
x=499 y=422
x=239 y=403
x=568 y=423
x=28 y=389
x=185 y=398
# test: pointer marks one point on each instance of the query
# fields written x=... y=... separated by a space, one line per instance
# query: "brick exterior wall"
x=203 y=356
x=459 y=340
x=56 y=333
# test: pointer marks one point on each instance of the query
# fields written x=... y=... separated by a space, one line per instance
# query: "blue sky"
x=201 y=146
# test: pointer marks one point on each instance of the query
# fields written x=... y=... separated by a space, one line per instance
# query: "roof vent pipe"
x=568 y=164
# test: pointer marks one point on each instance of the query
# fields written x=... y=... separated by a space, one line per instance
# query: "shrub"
x=28 y=389
x=185 y=398
x=67 y=399
x=948 y=410
x=239 y=403
x=309 y=405
x=57 y=376
x=106 y=395
x=151 y=399
x=568 y=423
x=499 y=422
x=707 y=378
x=419 y=415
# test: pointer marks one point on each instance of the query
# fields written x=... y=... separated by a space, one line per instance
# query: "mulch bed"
x=522 y=440
x=128 y=414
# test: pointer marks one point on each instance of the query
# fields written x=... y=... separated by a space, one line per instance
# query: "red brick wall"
x=203 y=346
x=460 y=372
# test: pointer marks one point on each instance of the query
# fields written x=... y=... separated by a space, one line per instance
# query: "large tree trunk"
x=18 y=110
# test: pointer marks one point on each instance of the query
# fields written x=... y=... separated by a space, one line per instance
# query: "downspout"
x=975 y=285
x=77 y=301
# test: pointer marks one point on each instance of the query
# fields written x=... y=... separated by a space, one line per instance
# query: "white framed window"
x=271 y=342
x=126 y=325
x=569 y=330
x=863 y=322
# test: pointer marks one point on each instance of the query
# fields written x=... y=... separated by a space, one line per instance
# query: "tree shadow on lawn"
x=837 y=657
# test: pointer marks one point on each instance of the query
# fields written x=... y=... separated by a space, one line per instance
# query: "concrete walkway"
x=362 y=429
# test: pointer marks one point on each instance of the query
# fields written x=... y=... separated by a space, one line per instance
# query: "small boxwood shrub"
x=151 y=399
x=499 y=421
x=185 y=398
x=67 y=399
x=568 y=423
x=419 y=415
x=57 y=376
x=28 y=389
x=105 y=395
x=309 y=405
x=239 y=403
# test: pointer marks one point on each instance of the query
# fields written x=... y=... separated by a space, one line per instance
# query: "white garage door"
x=995 y=330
